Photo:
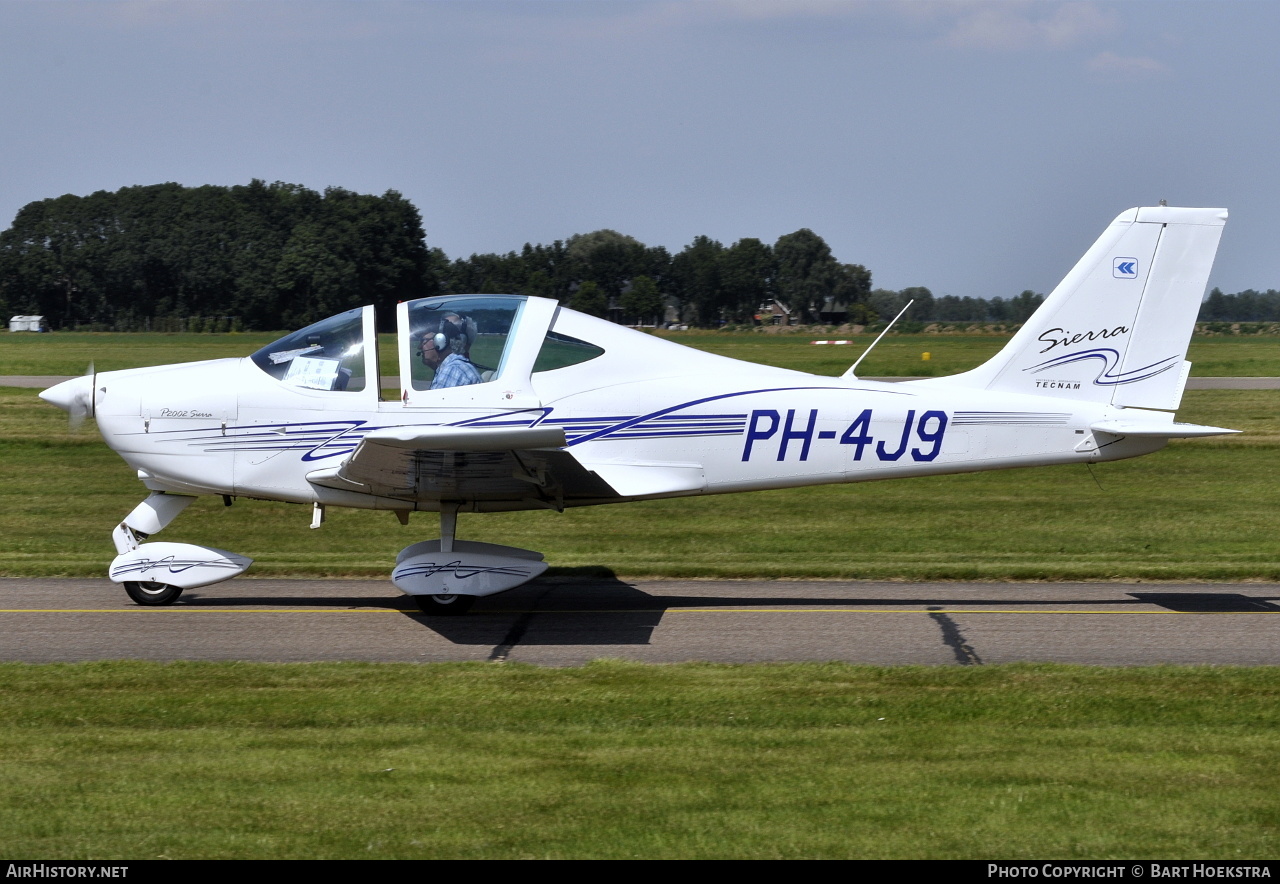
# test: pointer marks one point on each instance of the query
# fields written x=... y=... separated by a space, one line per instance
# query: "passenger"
x=444 y=349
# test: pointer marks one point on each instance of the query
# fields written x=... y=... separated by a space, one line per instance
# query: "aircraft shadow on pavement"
x=1207 y=602
x=609 y=611
x=551 y=611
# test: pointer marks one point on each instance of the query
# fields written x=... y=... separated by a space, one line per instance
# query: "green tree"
x=270 y=254
x=852 y=289
x=748 y=278
x=808 y=274
x=1020 y=308
x=608 y=258
x=695 y=277
x=886 y=303
x=642 y=301
x=590 y=299
x=312 y=280
x=922 y=303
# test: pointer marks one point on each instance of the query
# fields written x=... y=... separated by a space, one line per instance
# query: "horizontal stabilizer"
x=1156 y=428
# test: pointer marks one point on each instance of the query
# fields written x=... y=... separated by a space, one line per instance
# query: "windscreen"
x=328 y=355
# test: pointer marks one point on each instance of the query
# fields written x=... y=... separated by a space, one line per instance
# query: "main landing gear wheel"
x=444 y=605
x=151 y=593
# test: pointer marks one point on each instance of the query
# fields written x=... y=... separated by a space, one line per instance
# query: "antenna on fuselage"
x=852 y=368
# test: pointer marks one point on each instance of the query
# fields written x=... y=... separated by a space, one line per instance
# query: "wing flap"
x=467 y=438
x=512 y=466
x=641 y=479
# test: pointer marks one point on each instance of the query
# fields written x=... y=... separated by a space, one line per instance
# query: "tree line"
x=1245 y=306
x=274 y=256
x=270 y=255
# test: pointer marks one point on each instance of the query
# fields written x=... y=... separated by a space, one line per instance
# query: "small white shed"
x=26 y=323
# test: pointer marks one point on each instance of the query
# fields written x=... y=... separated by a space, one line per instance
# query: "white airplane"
x=514 y=403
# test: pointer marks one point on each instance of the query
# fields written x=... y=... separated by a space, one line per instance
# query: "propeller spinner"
x=75 y=397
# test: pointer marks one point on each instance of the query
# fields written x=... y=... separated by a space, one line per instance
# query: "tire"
x=444 y=605
x=152 y=593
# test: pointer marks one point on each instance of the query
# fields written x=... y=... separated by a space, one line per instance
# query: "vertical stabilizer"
x=1116 y=329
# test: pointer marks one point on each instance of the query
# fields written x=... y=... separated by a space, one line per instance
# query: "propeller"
x=85 y=402
x=76 y=397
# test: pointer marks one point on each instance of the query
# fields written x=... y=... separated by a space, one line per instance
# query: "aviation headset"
x=450 y=333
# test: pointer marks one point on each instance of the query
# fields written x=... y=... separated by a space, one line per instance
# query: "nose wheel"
x=182 y=565
x=151 y=593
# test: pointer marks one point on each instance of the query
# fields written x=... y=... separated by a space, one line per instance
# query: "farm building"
x=27 y=323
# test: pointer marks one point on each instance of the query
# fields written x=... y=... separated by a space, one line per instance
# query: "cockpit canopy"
x=443 y=342
x=460 y=340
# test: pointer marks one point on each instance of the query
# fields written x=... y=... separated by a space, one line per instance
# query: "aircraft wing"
x=517 y=465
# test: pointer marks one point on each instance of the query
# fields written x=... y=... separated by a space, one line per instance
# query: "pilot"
x=467 y=325
x=444 y=349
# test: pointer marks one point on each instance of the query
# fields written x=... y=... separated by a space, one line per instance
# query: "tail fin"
x=1116 y=328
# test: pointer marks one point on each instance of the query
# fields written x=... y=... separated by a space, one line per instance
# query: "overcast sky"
x=976 y=148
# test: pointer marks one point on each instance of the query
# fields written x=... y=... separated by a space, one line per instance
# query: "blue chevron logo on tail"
x=1124 y=268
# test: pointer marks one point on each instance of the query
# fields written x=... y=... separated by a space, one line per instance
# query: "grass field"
x=614 y=760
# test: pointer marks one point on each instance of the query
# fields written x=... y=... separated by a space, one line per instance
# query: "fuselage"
x=506 y=402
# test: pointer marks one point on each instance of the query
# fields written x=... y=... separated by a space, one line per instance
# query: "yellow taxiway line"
x=228 y=610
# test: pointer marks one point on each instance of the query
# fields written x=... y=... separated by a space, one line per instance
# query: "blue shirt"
x=455 y=371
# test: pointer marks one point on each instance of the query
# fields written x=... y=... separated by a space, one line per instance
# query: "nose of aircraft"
x=71 y=396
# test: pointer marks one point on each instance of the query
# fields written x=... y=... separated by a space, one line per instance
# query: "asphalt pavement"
x=571 y=620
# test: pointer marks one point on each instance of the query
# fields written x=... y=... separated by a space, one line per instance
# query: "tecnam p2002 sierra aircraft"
x=514 y=403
